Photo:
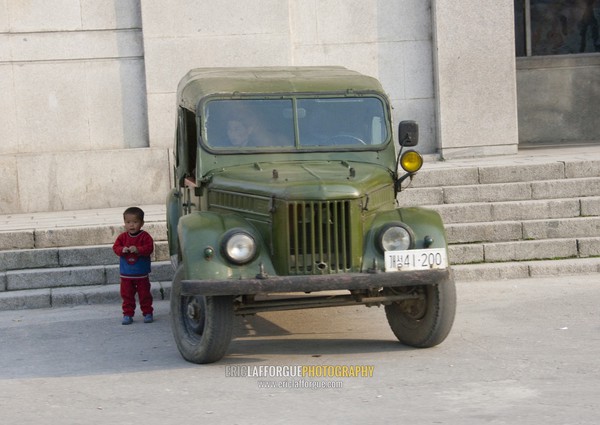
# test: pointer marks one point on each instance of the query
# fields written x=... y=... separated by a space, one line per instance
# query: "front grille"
x=319 y=237
x=252 y=206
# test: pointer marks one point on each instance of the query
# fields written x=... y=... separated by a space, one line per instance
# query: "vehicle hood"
x=318 y=180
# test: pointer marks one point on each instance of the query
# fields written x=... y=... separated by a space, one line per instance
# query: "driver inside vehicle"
x=238 y=132
x=250 y=130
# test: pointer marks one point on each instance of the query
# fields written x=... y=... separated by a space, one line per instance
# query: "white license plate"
x=416 y=259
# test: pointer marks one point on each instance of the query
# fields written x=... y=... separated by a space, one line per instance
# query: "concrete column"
x=475 y=77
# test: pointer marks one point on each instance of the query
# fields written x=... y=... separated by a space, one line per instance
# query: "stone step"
x=76 y=274
x=71 y=296
x=77 y=218
x=73 y=228
x=43 y=278
x=547 y=249
x=431 y=194
x=439 y=174
x=93 y=255
x=109 y=293
x=525 y=269
x=47 y=240
x=518 y=210
x=71 y=236
x=505 y=231
x=509 y=220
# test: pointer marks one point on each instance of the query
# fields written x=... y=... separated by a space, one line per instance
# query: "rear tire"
x=202 y=326
x=426 y=321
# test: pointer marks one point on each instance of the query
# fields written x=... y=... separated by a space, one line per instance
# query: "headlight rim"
x=388 y=226
x=226 y=238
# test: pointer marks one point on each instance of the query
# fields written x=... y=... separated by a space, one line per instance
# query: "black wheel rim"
x=193 y=310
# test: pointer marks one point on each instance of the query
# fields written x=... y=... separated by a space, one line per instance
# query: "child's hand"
x=125 y=250
x=133 y=249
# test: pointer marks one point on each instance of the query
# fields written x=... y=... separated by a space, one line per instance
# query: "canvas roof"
x=201 y=82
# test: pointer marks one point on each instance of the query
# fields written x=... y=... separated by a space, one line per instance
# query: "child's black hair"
x=138 y=212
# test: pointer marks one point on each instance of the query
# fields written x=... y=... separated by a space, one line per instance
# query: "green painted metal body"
x=314 y=211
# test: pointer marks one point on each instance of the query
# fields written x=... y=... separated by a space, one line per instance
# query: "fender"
x=423 y=222
x=201 y=237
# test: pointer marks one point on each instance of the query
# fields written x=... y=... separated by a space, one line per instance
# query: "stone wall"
x=559 y=99
x=88 y=86
x=387 y=39
x=475 y=77
x=73 y=127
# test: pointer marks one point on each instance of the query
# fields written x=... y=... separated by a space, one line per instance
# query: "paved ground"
x=521 y=352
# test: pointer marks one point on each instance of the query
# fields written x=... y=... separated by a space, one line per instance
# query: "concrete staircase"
x=517 y=217
x=533 y=214
x=66 y=258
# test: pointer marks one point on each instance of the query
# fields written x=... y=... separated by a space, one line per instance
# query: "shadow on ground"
x=89 y=340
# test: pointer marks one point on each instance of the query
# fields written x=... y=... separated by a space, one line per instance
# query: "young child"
x=134 y=246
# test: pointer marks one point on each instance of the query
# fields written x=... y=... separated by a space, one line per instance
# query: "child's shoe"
x=148 y=318
x=127 y=320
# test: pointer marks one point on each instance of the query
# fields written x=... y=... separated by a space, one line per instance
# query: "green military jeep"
x=285 y=185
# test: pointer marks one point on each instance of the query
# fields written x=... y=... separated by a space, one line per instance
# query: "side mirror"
x=408 y=133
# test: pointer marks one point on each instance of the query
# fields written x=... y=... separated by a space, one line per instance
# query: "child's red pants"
x=131 y=286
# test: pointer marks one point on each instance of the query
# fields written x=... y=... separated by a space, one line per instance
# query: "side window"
x=186 y=146
x=179 y=148
x=191 y=144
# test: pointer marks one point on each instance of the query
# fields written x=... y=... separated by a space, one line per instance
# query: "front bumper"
x=314 y=283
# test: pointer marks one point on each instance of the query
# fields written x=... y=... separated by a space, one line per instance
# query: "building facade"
x=88 y=104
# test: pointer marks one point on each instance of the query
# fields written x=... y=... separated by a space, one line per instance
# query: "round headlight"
x=411 y=161
x=395 y=238
x=239 y=247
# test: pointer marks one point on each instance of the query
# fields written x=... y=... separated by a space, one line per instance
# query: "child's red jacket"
x=134 y=264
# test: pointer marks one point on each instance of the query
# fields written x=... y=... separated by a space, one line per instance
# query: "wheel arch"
x=423 y=223
x=200 y=236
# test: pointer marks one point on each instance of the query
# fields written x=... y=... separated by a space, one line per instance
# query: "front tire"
x=426 y=320
x=202 y=326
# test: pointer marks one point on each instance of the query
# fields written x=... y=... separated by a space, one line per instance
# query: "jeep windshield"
x=295 y=123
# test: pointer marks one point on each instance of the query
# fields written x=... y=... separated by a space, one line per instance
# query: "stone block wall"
x=73 y=127
x=87 y=112
x=559 y=99
x=475 y=78
x=387 y=39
